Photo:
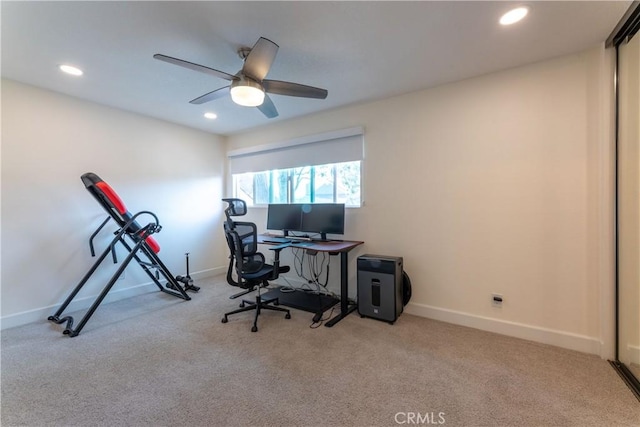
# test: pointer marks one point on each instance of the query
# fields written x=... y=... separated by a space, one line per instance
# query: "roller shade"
x=333 y=147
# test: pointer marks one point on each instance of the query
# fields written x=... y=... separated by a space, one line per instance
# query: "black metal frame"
x=140 y=246
x=187 y=281
x=627 y=376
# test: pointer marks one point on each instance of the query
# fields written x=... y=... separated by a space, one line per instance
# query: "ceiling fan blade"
x=293 y=89
x=259 y=60
x=195 y=67
x=267 y=107
x=218 y=93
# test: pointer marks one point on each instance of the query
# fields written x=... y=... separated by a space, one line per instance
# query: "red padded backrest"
x=113 y=197
x=96 y=185
x=153 y=244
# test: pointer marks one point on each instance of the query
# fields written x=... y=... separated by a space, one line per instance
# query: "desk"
x=333 y=247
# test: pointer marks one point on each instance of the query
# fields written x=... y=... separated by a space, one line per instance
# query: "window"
x=324 y=168
x=330 y=183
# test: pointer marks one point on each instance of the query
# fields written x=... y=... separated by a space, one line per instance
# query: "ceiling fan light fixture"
x=247 y=93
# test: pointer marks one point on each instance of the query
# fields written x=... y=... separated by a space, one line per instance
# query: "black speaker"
x=380 y=290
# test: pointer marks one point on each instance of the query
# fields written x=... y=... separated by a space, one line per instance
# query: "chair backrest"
x=245 y=237
x=245 y=248
x=235 y=207
x=242 y=239
x=115 y=207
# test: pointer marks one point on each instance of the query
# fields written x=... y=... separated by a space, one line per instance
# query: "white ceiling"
x=358 y=51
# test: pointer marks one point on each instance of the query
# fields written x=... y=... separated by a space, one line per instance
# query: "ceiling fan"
x=248 y=86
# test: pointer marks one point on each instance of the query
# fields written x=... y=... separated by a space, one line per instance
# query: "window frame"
x=290 y=197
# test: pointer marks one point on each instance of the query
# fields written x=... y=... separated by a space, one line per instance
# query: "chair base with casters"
x=258 y=305
x=251 y=270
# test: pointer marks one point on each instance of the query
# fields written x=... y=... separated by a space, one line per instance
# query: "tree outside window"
x=331 y=183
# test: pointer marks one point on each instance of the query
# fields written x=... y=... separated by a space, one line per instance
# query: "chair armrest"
x=279 y=247
x=276 y=259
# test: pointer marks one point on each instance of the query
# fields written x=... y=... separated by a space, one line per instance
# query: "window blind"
x=332 y=147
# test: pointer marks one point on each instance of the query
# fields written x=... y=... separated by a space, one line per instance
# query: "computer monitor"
x=323 y=218
x=285 y=217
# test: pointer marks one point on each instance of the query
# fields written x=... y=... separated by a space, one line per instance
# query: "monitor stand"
x=322 y=238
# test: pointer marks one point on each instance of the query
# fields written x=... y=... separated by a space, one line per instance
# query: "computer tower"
x=380 y=287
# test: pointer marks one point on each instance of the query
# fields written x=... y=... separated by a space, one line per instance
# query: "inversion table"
x=137 y=241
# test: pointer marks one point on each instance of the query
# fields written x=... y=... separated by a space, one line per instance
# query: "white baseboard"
x=42 y=313
x=557 y=338
x=562 y=339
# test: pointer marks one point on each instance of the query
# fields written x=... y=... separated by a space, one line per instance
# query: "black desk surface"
x=329 y=246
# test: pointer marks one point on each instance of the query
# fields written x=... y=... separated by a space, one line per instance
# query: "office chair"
x=251 y=270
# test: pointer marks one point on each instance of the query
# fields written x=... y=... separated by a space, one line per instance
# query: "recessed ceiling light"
x=70 y=69
x=211 y=116
x=514 y=15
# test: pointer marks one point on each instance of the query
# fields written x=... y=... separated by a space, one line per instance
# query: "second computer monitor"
x=323 y=218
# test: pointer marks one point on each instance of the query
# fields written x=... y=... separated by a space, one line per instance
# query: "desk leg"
x=345 y=308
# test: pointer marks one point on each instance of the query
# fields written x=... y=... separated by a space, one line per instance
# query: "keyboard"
x=276 y=240
x=299 y=238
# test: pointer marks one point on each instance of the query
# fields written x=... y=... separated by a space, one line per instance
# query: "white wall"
x=48 y=141
x=500 y=183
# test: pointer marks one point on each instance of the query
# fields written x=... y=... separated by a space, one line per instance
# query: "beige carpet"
x=154 y=360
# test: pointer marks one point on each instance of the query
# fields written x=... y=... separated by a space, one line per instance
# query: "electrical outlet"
x=496 y=300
